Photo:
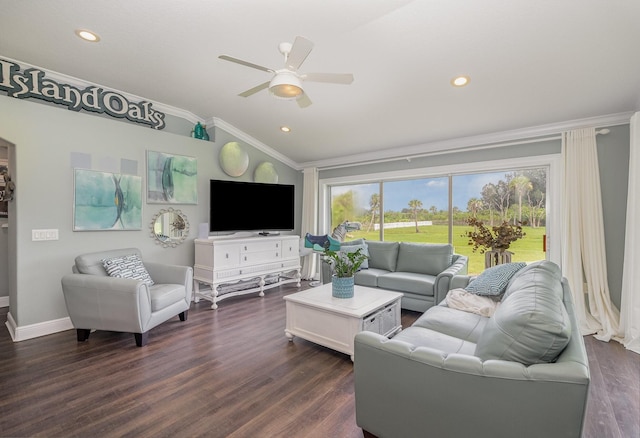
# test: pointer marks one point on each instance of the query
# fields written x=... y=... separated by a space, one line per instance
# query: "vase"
x=495 y=258
x=342 y=287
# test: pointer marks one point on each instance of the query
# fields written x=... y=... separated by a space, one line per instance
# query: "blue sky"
x=431 y=191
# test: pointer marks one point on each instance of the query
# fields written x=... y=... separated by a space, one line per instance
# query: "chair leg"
x=183 y=316
x=141 y=338
x=83 y=334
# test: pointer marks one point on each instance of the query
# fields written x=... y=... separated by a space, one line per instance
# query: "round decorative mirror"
x=169 y=227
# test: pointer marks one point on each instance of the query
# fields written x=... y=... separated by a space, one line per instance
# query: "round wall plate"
x=233 y=159
x=265 y=173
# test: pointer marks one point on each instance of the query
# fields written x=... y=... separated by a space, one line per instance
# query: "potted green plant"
x=344 y=265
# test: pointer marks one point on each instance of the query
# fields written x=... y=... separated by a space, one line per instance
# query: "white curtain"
x=309 y=221
x=583 y=250
x=630 y=304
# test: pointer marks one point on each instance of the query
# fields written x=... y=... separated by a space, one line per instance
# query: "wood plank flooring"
x=226 y=373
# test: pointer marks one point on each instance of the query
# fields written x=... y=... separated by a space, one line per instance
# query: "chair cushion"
x=383 y=255
x=424 y=258
x=531 y=325
x=369 y=277
x=92 y=264
x=493 y=281
x=128 y=266
x=163 y=295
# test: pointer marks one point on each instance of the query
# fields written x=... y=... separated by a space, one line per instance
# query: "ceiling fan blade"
x=303 y=100
x=334 y=78
x=255 y=89
x=299 y=52
x=245 y=63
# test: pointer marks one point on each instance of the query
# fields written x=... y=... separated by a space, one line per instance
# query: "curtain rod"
x=603 y=131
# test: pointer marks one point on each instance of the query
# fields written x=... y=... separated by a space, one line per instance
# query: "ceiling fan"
x=286 y=83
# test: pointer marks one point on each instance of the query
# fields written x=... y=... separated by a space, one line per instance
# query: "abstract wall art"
x=171 y=179
x=106 y=201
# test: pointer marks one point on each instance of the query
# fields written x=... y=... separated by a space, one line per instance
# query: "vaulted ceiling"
x=531 y=63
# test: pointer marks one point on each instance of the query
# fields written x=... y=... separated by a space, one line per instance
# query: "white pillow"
x=460 y=299
x=129 y=266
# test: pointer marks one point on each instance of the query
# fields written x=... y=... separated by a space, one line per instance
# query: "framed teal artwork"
x=106 y=201
x=171 y=179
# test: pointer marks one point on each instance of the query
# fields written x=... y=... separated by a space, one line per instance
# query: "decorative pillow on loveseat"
x=493 y=281
x=129 y=266
x=353 y=246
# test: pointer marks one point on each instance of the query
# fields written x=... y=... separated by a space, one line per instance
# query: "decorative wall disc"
x=233 y=159
x=265 y=173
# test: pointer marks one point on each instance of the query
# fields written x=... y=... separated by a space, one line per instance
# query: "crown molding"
x=219 y=123
x=497 y=139
x=80 y=83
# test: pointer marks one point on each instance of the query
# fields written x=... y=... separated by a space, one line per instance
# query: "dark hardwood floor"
x=227 y=373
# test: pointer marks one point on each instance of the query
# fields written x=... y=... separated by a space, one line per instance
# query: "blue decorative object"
x=494 y=281
x=342 y=287
x=205 y=134
x=198 y=131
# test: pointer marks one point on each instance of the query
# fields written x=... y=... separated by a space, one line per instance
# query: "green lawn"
x=527 y=249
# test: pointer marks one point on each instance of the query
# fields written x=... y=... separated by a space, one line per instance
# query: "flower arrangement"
x=344 y=264
x=497 y=238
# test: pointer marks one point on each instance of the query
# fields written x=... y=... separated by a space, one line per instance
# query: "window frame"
x=552 y=204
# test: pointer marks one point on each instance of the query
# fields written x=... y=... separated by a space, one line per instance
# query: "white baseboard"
x=22 y=333
x=4 y=301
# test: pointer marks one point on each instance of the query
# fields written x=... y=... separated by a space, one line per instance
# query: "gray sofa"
x=521 y=372
x=421 y=271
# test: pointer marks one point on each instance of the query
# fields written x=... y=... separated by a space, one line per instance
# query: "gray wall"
x=45 y=137
x=613 y=156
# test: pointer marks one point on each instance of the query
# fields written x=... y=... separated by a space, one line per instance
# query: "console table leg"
x=288 y=335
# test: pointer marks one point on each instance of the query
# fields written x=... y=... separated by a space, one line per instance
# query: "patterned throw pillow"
x=493 y=281
x=129 y=266
x=353 y=248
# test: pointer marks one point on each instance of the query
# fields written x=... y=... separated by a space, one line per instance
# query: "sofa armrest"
x=107 y=303
x=441 y=284
x=404 y=390
x=460 y=281
x=171 y=274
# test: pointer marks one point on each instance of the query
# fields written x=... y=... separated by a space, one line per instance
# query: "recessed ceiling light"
x=87 y=35
x=285 y=129
x=460 y=81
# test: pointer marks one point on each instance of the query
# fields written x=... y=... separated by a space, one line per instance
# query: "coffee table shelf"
x=318 y=317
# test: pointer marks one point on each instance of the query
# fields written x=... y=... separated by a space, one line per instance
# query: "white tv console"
x=259 y=263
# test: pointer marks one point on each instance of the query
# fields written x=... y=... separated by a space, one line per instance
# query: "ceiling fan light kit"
x=287 y=83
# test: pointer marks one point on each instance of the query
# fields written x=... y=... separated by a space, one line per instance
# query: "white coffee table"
x=318 y=317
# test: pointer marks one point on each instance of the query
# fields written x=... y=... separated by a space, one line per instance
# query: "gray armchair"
x=97 y=301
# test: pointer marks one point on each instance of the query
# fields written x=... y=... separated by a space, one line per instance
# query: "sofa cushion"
x=531 y=324
x=383 y=255
x=369 y=277
x=452 y=322
x=523 y=276
x=493 y=281
x=423 y=337
x=354 y=246
x=128 y=266
x=408 y=282
x=424 y=258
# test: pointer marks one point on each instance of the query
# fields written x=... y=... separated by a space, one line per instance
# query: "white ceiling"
x=531 y=63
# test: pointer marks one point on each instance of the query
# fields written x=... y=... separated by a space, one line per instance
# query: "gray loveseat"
x=522 y=372
x=421 y=271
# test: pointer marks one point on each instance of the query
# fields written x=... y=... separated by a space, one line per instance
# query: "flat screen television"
x=248 y=206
